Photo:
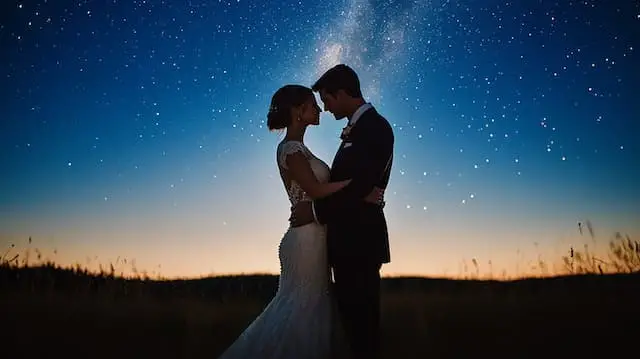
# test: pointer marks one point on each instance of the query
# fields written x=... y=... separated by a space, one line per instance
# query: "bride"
x=301 y=321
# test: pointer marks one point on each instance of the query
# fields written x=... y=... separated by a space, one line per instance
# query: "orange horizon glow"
x=494 y=264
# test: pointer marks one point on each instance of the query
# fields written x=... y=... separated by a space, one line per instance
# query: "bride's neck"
x=295 y=133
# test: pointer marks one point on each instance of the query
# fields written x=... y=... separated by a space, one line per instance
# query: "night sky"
x=137 y=129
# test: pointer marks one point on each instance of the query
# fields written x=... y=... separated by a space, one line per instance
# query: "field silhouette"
x=591 y=312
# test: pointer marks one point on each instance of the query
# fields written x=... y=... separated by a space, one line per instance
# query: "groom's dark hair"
x=339 y=77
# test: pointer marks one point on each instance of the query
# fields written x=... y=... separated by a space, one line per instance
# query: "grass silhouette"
x=590 y=309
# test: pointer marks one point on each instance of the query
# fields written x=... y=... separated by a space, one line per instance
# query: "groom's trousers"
x=357 y=289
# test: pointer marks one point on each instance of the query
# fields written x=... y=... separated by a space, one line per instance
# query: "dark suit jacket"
x=357 y=230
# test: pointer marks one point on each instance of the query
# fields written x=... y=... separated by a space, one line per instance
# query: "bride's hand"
x=376 y=196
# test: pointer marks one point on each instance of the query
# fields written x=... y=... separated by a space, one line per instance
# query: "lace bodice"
x=319 y=168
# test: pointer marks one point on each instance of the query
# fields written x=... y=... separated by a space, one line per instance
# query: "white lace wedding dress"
x=300 y=322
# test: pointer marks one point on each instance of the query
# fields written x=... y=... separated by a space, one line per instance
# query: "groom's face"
x=332 y=104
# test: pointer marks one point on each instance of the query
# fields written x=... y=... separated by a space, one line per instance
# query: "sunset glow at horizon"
x=137 y=130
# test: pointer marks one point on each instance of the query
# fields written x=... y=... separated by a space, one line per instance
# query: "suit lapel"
x=357 y=128
x=338 y=167
x=336 y=159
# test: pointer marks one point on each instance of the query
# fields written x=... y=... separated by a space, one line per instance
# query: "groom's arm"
x=372 y=152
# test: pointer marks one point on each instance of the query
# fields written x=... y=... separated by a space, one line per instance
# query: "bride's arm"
x=300 y=171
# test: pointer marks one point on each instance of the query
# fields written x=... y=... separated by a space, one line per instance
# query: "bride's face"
x=310 y=114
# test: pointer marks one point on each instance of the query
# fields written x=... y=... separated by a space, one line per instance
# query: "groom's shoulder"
x=378 y=124
x=380 y=120
x=374 y=116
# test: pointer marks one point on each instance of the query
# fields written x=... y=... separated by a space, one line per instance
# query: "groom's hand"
x=301 y=214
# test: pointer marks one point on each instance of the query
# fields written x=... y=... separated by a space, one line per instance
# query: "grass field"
x=593 y=312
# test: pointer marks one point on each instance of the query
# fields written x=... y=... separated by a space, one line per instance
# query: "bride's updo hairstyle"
x=286 y=98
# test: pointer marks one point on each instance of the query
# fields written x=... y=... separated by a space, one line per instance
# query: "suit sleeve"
x=374 y=149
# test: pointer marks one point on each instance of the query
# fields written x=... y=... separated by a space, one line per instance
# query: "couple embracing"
x=328 y=300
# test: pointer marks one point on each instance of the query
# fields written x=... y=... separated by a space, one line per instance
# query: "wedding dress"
x=300 y=322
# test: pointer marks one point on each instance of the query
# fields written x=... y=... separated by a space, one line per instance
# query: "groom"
x=357 y=237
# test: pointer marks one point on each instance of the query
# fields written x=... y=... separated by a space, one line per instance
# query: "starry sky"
x=136 y=129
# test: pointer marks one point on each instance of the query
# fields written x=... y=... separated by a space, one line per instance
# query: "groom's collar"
x=356 y=115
